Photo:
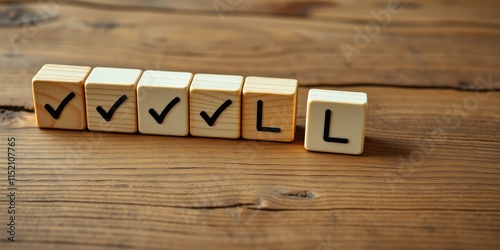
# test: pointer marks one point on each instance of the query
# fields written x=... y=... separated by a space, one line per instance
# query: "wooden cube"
x=335 y=121
x=215 y=106
x=59 y=96
x=163 y=102
x=269 y=109
x=111 y=99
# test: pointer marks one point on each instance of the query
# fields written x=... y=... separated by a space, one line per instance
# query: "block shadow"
x=373 y=146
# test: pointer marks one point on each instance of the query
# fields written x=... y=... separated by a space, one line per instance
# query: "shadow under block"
x=59 y=96
x=163 y=103
x=336 y=121
x=215 y=106
x=269 y=109
x=111 y=99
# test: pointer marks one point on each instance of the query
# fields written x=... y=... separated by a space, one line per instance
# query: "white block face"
x=163 y=103
x=110 y=95
x=335 y=121
x=215 y=106
x=269 y=109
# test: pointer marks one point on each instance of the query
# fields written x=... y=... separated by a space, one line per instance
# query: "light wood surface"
x=59 y=96
x=215 y=106
x=163 y=102
x=335 y=121
x=428 y=178
x=269 y=109
x=110 y=96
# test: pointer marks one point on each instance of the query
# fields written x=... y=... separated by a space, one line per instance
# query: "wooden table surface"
x=429 y=177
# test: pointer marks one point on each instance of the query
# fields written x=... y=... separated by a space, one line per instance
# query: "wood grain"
x=428 y=179
x=61 y=88
x=269 y=109
x=219 y=98
x=111 y=99
x=110 y=190
x=442 y=45
x=159 y=92
x=460 y=11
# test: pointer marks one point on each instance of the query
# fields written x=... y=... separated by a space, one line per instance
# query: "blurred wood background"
x=429 y=177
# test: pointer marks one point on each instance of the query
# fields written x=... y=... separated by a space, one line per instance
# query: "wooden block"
x=111 y=99
x=269 y=109
x=59 y=96
x=335 y=121
x=215 y=106
x=163 y=103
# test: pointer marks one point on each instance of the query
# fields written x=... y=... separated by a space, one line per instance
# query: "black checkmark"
x=107 y=115
x=159 y=118
x=211 y=120
x=56 y=113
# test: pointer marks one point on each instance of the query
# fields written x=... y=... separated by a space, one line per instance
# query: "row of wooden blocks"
x=206 y=105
